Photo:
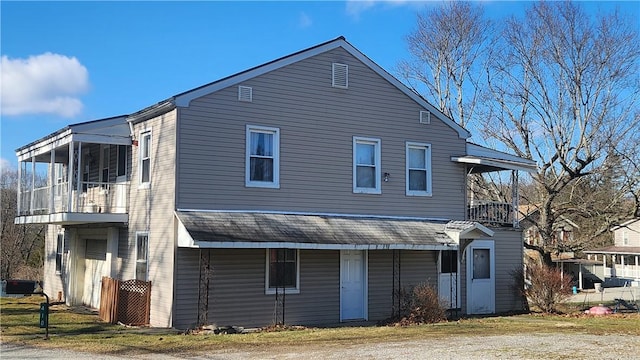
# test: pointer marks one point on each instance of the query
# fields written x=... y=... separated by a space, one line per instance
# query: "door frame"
x=481 y=244
x=365 y=282
x=458 y=293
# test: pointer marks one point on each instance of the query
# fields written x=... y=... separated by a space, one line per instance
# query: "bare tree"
x=22 y=246
x=564 y=91
x=447 y=50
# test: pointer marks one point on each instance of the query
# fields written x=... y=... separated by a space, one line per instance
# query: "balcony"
x=492 y=213
x=95 y=202
x=77 y=175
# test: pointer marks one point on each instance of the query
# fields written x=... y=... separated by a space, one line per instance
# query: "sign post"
x=28 y=287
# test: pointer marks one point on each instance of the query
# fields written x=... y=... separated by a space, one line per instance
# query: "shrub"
x=420 y=305
x=546 y=287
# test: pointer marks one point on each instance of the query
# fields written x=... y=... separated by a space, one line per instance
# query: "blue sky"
x=69 y=62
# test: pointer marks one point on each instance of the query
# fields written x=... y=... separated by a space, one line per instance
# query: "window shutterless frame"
x=144 y=155
x=262 y=157
x=280 y=260
x=366 y=165
x=418 y=169
x=142 y=256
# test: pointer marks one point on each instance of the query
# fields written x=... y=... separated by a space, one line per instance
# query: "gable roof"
x=625 y=224
x=183 y=99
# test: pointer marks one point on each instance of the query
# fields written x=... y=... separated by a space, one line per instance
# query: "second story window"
x=262 y=157
x=418 y=158
x=366 y=165
x=145 y=158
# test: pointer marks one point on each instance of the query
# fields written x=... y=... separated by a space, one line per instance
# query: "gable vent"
x=425 y=117
x=245 y=93
x=340 y=75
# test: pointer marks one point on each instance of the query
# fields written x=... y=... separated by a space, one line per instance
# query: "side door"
x=481 y=277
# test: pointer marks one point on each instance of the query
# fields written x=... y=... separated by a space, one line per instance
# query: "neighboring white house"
x=620 y=263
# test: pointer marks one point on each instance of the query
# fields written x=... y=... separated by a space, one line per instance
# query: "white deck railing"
x=94 y=197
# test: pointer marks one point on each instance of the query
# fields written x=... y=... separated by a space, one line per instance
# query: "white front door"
x=95 y=269
x=353 y=285
x=481 y=277
x=448 y=284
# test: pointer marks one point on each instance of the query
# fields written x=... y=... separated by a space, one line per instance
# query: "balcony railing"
x=491 y=213
x=94 y=197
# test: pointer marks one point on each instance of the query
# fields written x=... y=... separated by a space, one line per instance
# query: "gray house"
x=308 y=190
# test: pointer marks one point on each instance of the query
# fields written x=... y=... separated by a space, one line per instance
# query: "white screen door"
x=481 y=277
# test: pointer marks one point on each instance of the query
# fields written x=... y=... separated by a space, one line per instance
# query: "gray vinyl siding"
x=380 y=284
x=508 y=249
x=317 y=124
x=152 y=210
x=237 y=289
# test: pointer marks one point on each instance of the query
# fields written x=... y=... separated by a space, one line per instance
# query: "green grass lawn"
x=80 y=329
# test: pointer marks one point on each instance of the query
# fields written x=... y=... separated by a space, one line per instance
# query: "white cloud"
x=304 y=21
x=43 y=84
x=357 y=7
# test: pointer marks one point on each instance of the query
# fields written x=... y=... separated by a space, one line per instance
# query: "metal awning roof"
x=483 y=159
x=220 y=229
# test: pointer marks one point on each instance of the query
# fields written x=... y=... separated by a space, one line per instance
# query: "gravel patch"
x=531 y=346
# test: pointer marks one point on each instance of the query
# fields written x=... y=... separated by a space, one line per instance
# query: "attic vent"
x=340 y=76
x=425 y=117
x=245 y=93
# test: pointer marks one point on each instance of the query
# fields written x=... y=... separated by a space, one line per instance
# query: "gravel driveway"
x=532 y=346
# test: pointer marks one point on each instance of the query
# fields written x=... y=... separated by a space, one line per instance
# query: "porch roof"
x=483 y=159
x=114 y=130
x=621 y=250
x=222 y=229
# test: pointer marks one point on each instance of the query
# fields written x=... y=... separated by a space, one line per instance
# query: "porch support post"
x=637 y=268
x=33 y=183
x=623 y=266
x=79 y=177
x=70 y=176
x=514 y=198
x=19 y=197
x=52 y=181
x=604 y=267
x=580 y=276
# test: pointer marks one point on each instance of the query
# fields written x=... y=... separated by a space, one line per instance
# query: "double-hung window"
x=283 y=268
x=142 y=253
x=145 y=158
x=262 y=157
x=366 y=165
x=418 y=158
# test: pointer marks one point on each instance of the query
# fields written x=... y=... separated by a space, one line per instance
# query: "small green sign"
x=44 y=315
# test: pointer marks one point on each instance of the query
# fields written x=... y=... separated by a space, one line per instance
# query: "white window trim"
x=271 y=291
x=625 y=238
x=427 y=149
x=142 y=133
x=135 y=258
x=59 y=251
x=378 y=165
x=275 y=184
